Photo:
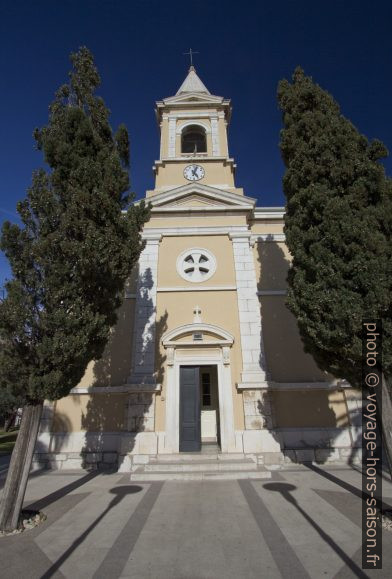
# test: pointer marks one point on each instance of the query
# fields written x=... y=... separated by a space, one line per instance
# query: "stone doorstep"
x=193 y=462
x=141 y=475
x=193 y=456
x=207 y=466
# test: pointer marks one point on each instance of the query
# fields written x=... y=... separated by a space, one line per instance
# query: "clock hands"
x=193 y=172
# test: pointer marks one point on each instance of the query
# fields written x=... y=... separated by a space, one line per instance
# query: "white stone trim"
x=123 y=389
x=272 y=292
x=226 y=412
x=148 y=235
x=202 y=157
x=270 y=385
x=172 y=194
x=187 y=231
x=259 y=237
x=172 y=138
x=190 y=115
x=252 y=345
x=197 y=288
x=227 y=210
x=197 y=122
x=215 y=137
x=269 y=212
x=143 y=346
x=176 y=333
x=195 y=251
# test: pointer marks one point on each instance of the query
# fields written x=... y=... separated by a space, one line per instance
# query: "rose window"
x=196 y=265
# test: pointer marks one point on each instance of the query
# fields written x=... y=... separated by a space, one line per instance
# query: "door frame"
x=226 y=412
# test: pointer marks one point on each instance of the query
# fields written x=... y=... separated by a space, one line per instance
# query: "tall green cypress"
x=70 y=259
x=338 y=226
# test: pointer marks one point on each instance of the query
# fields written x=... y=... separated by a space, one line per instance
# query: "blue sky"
x=245 y=49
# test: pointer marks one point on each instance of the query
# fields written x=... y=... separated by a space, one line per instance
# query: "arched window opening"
x=193 y=140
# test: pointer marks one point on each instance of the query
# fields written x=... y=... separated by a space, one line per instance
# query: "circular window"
x=196 y=264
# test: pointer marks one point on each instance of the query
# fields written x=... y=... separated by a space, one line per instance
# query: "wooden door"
x=190 y=440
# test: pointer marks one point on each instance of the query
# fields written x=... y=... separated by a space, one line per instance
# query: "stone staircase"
x=199 y=466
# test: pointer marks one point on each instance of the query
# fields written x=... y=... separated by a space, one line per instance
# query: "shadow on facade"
x=54 y=433
x=113 y=421
x=306 y=423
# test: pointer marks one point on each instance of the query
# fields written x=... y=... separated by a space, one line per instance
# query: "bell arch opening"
x=193 y=139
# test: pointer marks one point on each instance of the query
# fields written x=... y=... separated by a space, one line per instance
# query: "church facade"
x=205 y=351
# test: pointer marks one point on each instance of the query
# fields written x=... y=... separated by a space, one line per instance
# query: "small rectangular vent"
x=197 y=337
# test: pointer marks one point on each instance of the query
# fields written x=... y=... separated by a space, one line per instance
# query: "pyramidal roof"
x=192 y=83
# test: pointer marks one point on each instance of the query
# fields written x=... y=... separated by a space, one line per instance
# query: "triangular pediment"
x=194 y=201
x=193 y=97
x=199 y=197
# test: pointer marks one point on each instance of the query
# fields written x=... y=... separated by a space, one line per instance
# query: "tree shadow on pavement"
x=285 y=490
x=344 y=485
x=60 y=493
x=119 y=494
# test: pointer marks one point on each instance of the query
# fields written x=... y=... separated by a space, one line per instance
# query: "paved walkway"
x=302 y=523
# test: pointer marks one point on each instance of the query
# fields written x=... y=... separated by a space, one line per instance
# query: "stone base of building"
x=122 y=451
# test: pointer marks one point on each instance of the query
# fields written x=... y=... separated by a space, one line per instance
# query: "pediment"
x=194 y=201
x=193 y=97
x=183 y=335
x=199 y=197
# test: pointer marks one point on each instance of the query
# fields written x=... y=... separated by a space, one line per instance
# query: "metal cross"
x=190 y=54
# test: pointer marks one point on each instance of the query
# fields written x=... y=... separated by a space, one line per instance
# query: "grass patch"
x=7 y=441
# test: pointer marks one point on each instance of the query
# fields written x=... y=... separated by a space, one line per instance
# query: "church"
x=205 y=357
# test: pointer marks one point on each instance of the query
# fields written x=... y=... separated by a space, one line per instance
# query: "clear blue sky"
x=245 y=49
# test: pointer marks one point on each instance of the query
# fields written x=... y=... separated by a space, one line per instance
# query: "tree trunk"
x=386 y=423
x=18 y=472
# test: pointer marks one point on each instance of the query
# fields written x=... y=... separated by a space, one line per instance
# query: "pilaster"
x=215 y=137
x=143 y=355
x=252 y=345
x=172 y=137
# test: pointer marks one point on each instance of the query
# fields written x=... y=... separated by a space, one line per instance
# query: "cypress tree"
x=338 y=226
x=80 y=238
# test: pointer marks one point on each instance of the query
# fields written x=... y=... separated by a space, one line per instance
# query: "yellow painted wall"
x=171 y=247
x=91 y=413
x=208 y=220
x=272 y=260
x=285 y=356
x=171 y=173
x=267 y=226
x=309 y=408
x=176 y=309
x=114 y=367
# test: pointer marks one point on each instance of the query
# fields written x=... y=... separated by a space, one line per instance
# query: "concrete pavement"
x=301 y=523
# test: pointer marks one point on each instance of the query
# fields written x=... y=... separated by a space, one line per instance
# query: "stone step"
x=216 y=465
x=196 y=456
x=141 y=475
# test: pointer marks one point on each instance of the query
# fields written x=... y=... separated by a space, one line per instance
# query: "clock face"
x=194 y=172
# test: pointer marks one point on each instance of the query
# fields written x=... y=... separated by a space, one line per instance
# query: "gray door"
x=190 y=440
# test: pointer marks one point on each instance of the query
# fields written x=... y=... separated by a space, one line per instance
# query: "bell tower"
x=193 y=139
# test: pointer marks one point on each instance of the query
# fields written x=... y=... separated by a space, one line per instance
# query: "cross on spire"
x=190 y=54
